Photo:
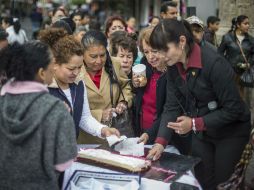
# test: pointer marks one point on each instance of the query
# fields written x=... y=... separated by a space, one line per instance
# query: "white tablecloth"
x=146 y=184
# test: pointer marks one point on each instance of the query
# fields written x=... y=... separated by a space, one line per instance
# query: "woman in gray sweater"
x=37 y=134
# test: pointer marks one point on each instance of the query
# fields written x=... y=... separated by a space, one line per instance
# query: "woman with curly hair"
x=68 y=54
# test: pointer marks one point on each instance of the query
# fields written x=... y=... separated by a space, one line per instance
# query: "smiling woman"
x=68 y=54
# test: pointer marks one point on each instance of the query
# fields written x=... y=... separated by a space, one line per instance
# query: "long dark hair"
x=13 y=22
x=94 y=37
x=237 y=21
x=21 y=61
x=170 y=30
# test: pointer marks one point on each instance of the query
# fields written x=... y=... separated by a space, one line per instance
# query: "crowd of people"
x=66 y=86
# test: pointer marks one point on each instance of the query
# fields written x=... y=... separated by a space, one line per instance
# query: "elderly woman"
x=104 y=82
x=124 y=47
x=151 y=96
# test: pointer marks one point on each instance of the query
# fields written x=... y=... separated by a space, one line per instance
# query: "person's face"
x=215 y=26
x=95 y=58
x=68 y=72
x=77 y=20
x=126 y=58
x=154 y=58
x=155 y=21
x=78 y=36
x=173 y=55
x=117 y=25
x=132 y=22
x=58 y=15
x=85 y=20
x=3 y=44
x=4 y=25
x=244 y=26
x=171 y=13
x=197 y=32
x=45 y=76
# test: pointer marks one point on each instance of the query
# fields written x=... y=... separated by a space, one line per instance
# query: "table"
x=146 y=184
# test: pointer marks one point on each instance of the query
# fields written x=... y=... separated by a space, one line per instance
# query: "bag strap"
x=241 y=49
x=111 y=89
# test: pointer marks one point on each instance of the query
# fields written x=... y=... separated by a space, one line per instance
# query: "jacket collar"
x=55 y=85
x=90 y=84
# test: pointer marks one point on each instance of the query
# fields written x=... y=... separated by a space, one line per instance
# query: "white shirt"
x=87 y=122
x=13 y=37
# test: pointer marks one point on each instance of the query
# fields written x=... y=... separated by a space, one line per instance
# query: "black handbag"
x=247 y=77
x=122 y=122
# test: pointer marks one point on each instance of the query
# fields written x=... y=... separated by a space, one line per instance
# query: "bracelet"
x=194 y=126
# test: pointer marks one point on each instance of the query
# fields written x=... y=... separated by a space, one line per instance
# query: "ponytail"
x=16 y=25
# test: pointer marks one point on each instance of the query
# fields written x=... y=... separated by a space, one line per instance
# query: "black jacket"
x=232 y=52
x=213 y=82
x=160 y=100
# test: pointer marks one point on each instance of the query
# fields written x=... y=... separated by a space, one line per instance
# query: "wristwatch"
x=194 y=129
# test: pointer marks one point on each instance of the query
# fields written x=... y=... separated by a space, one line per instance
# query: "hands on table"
x=183 y=125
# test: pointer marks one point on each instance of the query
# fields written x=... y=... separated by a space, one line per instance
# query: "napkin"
x=130 y=146
x=113 y=139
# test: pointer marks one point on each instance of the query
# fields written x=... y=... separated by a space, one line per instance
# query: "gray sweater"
x=36 y=133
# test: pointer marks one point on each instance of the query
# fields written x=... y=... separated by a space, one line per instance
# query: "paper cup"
x=139 y=70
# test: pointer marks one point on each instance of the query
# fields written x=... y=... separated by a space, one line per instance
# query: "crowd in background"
x=68 y=84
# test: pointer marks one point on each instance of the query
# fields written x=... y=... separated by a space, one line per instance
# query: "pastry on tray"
x=106 y=158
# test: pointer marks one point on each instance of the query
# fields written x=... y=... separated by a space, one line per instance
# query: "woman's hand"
x=121 y=107
x=143 y=138
x=183 y=125
x=107 y=131
x=155 y=153
x=138 y=81
x=107 y=114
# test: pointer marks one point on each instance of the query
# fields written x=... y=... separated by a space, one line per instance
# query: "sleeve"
x=88 y=123
x=65 y=136
x=171 y=111
x=223 y=46
x=208 y=37
x=231 y=106
x=251 y=56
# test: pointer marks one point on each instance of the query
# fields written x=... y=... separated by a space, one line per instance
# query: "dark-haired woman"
x=236 y=39
x=13 y=28
x=37 y=133
x=102 y=75
x=203 y=100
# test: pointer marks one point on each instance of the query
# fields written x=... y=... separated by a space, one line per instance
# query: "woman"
x=68 y=54
x=37 y=133
x=114 y=23
x=102 y=74
x=230 y=47
x=13 y=28
x=125 y=49
x=57 y=14
x=201 y=98
x=150 y=95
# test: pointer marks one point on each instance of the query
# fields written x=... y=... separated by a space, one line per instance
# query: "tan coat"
x=99 y=99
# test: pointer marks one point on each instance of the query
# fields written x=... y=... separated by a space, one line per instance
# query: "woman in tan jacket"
x=100 y=74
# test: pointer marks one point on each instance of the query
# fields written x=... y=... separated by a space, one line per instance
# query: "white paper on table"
x=113 y=139
x=130 y=146
x=92 y=184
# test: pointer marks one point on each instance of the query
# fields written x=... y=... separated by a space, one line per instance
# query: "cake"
x=104 y=157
